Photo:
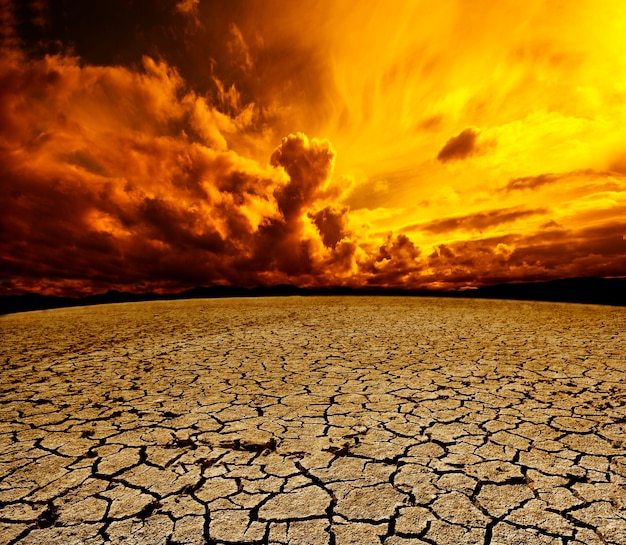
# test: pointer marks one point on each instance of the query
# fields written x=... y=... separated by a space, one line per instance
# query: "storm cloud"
x=201 y=143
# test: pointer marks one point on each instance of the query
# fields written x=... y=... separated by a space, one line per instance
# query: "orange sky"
x=163 y=145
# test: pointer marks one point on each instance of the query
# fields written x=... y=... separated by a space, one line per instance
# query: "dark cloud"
x=331 y=222
x=530 y=183
x=397 y=263
x=543 y=255
x=177 y=226
x=476 y=222
x=602 y=247
x=459 y=147
x=124 y=162
x=75 y=229
x=309 y=165
x=242 y=55
x=399 y=249
x=83 y=159
x=551 y=224
x=104 y=195
x=280 y=245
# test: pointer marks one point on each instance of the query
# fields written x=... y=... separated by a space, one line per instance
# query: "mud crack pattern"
x=314 y=421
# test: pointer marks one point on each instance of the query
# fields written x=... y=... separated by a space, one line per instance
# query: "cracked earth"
x=314 y=421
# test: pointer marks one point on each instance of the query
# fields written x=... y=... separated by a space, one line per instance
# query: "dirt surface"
x=314 y=421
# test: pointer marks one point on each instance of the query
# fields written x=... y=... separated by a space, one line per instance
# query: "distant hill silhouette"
x=601 y=291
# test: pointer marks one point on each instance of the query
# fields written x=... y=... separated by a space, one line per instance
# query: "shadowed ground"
x=314 y=421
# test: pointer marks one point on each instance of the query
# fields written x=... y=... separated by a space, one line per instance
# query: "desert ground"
x=314 y=420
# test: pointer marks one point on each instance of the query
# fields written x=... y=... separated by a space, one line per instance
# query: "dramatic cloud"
x=102 y=191
x=308 y=165
x=597 y=251
x=331 y=223
x=459 y=147
x=530 y=183
x=478 y=221
x=200 y=142
x=397 y=262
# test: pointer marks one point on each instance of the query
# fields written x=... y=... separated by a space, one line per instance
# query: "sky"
x=160 y=145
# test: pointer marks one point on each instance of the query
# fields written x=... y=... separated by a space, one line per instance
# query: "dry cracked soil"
x=363 y=420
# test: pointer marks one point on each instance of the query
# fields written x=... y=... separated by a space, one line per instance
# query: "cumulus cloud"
x=97 y=182
x=157 y=161
x=590 y=251
x=396 y=263
x=308 y=164
x=331 y=223
x=100 y=185
x=119 y=178
x=461 y=146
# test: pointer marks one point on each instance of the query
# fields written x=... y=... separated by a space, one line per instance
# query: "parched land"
x=336 y=420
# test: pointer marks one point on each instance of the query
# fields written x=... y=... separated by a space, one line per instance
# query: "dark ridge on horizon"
x=599 y=291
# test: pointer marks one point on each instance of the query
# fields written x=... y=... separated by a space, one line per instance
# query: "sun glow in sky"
x=164 y=145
